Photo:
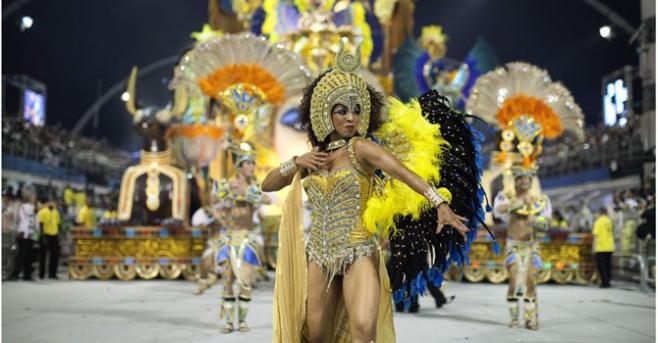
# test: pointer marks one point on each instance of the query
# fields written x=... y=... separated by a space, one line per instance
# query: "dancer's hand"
x=448 y=217
x=312 y=160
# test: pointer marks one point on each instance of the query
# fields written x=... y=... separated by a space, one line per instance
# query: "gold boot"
x=513 y=307
x=530 y=314
x=227 y=311
x=243 y=309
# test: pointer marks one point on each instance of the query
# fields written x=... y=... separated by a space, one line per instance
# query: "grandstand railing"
x=638 y=267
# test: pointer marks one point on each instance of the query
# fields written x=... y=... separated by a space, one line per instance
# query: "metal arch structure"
x=116 y=89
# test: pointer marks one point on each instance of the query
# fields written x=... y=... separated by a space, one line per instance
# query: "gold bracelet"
x=433 y=196
x=288 y=167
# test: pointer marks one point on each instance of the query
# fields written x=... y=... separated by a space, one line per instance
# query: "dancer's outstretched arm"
x=380 y=158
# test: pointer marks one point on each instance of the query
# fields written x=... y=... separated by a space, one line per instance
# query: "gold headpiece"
x=340 y=86
x=519 y=170
x=432 y=33
x=244 y=151
x=521 y=144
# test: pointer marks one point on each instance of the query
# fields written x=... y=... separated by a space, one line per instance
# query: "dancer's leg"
x=321 y=302
x=512 y=298
x=228 y=298
x=361 y=293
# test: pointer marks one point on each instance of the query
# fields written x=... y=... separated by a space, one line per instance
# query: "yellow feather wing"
x=418 y=145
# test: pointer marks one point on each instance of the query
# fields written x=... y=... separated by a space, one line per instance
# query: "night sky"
x=77 y=46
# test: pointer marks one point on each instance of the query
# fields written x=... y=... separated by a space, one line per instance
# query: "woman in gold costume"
x=337 y=288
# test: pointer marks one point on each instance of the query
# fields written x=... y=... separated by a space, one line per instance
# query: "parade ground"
x=168 y=311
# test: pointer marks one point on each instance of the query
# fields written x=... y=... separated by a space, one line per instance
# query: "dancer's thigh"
x=361 y=291
x=321 y=302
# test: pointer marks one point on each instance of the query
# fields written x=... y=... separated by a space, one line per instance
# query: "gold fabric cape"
x=289 y=304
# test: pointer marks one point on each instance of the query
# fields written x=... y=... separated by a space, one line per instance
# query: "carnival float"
x=242 y=82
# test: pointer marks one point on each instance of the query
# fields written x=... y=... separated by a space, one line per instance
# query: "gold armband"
x=288 y=167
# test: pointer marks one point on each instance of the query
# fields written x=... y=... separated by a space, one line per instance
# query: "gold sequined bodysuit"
x=337 y=236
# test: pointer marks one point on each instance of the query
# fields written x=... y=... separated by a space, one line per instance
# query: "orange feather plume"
x=223 y=78
x=543 y=114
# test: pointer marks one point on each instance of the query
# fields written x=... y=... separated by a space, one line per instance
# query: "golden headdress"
x=527 y=134
x=340 y=86
x=245 y=73
x=244 y=151
x=434 y=40
x=432 y=33
x=527 y=106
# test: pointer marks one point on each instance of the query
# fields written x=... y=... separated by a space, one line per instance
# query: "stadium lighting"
x=605 y=32
x=26 y=23
x=125 y=96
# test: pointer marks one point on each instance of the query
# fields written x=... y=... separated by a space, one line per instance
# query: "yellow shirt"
x=79 y=199
x=69 y=196
x=110 y=215
x=87 y=217
x=50 y=220
x=604 y=238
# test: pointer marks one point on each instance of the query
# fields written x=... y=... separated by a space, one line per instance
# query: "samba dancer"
x=237 y=258
x=524 y=214
x=341 y=272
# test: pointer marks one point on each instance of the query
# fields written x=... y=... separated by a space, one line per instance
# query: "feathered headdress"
x=527 y=106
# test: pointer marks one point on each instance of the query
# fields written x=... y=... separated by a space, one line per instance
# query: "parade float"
x=566 y=257
x=153 y=236
x=242 y=82
x=226 y=91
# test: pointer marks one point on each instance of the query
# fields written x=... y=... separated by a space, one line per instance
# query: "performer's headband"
x=245 y=158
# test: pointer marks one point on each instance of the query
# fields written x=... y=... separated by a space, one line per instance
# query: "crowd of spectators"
x=602 y=147
x=29 y=230
x=57 y=148
x=624 y=227
x=626 y=209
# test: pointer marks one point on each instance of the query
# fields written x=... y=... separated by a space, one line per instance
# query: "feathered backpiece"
x=519 y=88
x=246 y=74
x=438 y=144
x=417 y=143
x=527 y=106
x=221 y=64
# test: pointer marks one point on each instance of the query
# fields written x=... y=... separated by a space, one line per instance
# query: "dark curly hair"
x=376 y=106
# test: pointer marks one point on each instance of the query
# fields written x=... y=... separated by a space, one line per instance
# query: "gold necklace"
x=337 y=144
